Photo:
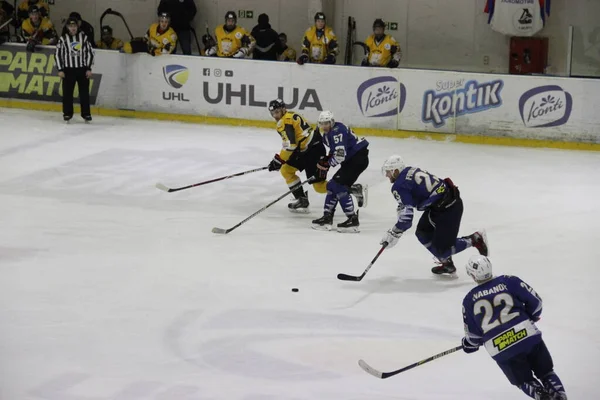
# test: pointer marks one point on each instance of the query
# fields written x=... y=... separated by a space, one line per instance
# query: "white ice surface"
x=111 y=289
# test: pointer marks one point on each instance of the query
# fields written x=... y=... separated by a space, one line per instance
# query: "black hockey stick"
x=363 y=46
x=118 y=14
x=197 y=42
x=226 y=231
x=383 y=375
x=345 y=277
x=170 y=190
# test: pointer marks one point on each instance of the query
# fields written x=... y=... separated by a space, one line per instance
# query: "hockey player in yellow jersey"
x=232 y=40
x=319 y=44
x=383 y=50
x=302 y=149
x=288 y=53
x=37 y=29
x=159 y=39
x=108 y=42
x=23 y=9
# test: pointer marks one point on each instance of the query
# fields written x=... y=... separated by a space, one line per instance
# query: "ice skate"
x=351 y=225
x=445 y=267
x=479 y=240
x=87 y=118
x=67 y=118
x=300 y=205
x=324 y=223
x=361 y=193
x=542 y=394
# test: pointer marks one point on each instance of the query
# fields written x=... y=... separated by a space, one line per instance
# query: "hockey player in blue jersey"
x=442 y=210
x=500 y=314
x=352 y=154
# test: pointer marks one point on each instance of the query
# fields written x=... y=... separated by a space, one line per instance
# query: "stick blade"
x=162 y=187
x=370 y=370
x=220 y=231
x=344 y=277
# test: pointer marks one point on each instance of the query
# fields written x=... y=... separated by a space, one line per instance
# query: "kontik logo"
x=545 y=106
x=381 y=97
x=473 y=97
x=176 y=75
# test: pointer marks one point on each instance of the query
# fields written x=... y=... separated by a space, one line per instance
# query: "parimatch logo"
x=32 y=76
x=509 y=338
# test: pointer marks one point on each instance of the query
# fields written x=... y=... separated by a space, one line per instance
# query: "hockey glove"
x=468 y=347
x=276 y=163
x=391 y=237
x=339 y=155
x=31 y=46
x=322 y=168
x=211 y=52
x=393 y=63
x=302 y=59
x=364 y=63
x=240 y=54
x=330 y=59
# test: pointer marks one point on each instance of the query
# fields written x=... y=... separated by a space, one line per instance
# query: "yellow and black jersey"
x=288 y=54
x=318 y=45
x=44 y=33
x=116 y=44
x=162 y=43
x=295 y=133
x=383 y=51
x=23 y=9
x=230 y=43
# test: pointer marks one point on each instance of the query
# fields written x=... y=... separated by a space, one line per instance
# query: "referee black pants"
x=72 y=76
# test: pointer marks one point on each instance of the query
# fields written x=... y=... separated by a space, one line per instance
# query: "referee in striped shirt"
x=74 y=58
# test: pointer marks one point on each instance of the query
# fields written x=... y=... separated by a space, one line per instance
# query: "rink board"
x=443 y=105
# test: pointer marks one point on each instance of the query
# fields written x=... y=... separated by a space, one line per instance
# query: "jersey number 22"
x=488 y=311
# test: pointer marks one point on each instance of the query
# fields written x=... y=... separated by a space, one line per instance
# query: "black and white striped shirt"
x=74 y=52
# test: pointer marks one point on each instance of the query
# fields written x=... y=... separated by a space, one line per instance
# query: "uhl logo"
x=176 y=76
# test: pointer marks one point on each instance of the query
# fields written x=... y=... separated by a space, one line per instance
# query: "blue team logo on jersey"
x=545 y=106
x=75 y=46
x=383 y=96
x=472 y=98
x=176 y=75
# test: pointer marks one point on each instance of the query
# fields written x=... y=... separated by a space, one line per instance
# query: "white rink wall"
x=549 y=108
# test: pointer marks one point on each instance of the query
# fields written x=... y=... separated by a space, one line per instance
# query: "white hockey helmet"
x=393 y=163
x=479 y=268
x=326 y=116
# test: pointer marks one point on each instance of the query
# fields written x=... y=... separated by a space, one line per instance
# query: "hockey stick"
x=170 y=190
x=226 y=231
x=363 y=46
x=118 y=14
x=208 y=31
x=6 y=23
x=383 y=375
x=197 y=42
x=345 y=277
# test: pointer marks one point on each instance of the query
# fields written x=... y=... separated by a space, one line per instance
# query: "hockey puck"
x=294 y=289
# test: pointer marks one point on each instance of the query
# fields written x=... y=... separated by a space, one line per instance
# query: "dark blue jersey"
x=415 y=188
x=500 y=315
x=342 y=143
